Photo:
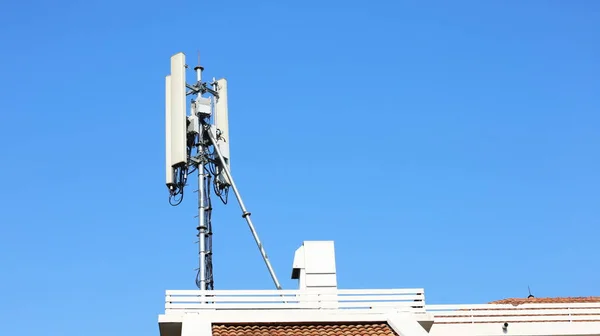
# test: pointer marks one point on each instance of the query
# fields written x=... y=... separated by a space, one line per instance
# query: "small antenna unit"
x=530 y=296
x=199 y=142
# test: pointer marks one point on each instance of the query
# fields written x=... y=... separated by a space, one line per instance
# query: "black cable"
x=223 y=195
x=212 y=166
x=208 y=256
x=213 y=170
x=208 y=272
x=171 y=197
x=179 y=184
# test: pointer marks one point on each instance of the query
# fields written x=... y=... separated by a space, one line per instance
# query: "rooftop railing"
x=182 y=301
x=490 y=313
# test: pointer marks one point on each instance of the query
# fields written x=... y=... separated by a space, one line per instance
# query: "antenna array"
x=199 y=142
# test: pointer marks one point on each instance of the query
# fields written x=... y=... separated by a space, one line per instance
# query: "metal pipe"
x=245 y=212
x=201 y=219
x=199 y=73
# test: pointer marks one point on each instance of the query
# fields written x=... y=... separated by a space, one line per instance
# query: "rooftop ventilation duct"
x=314 y=268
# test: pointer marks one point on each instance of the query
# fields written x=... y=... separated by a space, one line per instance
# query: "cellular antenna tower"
x=198 y=141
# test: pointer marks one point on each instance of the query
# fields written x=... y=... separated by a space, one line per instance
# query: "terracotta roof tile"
x=520 y=301
x=311 y=329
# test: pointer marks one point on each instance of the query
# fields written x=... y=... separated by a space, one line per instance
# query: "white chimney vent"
x=314 y=266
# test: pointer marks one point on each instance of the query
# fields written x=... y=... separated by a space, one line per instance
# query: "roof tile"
x=311 y=329
x=520 y=301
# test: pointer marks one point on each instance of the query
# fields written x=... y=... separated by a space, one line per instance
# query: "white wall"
x=520 y=329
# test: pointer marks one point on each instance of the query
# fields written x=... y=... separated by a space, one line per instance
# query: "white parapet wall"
x=525 y=319
x=187 y=312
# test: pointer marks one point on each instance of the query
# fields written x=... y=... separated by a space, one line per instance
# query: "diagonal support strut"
x=245 y=213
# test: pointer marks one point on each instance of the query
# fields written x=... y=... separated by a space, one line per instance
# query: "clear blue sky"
x=452 y=147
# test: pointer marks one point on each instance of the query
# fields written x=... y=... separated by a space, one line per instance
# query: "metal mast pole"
x=201 y=200
x=201 y=223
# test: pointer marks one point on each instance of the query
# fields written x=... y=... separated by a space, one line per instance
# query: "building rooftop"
x=318 y=307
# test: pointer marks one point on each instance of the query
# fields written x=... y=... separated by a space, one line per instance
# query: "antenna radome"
x=222 y=125
x=178 y=111
x=168 y=161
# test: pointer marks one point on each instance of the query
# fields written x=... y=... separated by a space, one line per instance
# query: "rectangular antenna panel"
x=222 y=118
x=178 y=111
x=169 y=168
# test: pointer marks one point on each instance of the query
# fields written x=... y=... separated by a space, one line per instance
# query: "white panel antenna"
x=222 y=125
x=178 y=111
x=168 y=161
